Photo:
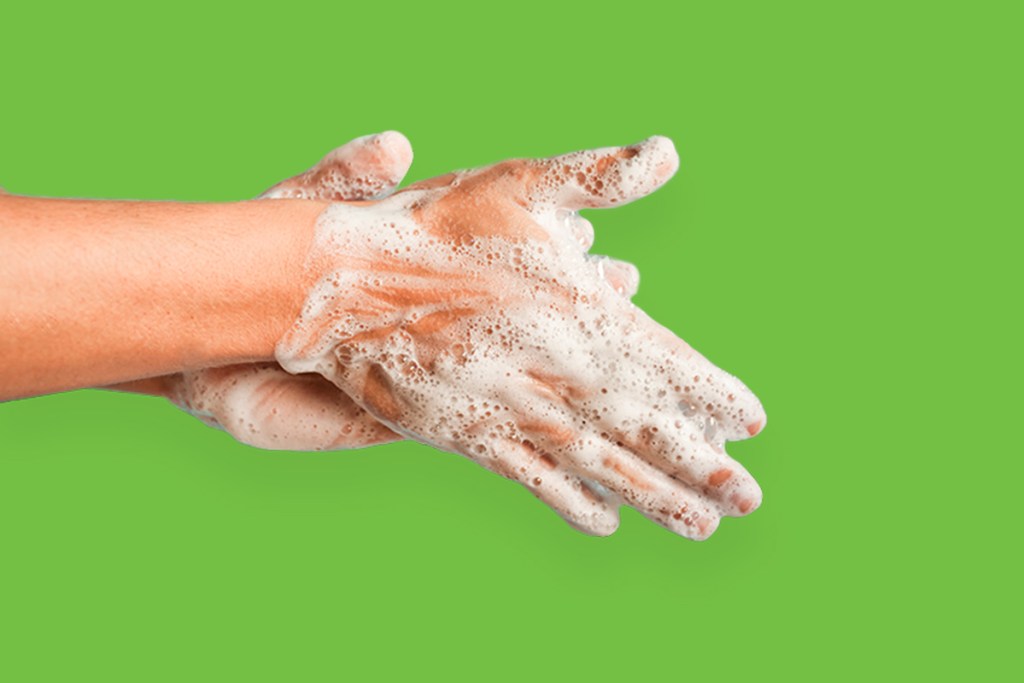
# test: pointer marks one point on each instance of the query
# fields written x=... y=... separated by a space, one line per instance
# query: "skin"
x=408 y=322
x=262 y=405
x=209 y=286
x=255 y=400
x=99 y=292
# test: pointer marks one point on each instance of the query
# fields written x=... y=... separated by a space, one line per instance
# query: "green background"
x=839 y=236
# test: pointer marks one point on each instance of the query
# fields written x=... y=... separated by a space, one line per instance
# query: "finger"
x=576 y=225
x=572 y=498
x=622 y=276
x=653 y=493
x=264 y=406
x=636 y=482
x=522 y=450
x=690 y=450
x=365 y=168
x=697 y=383
x=722 y=397
x=603 y=178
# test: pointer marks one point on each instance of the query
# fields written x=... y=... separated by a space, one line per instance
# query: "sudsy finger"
x=689 y=449
x=622 y=276
x=653 y=493
x=570 y=497
x=716 y=394
x=365 y=168
x=262 y=405
x=602 y=178
x=695 y=382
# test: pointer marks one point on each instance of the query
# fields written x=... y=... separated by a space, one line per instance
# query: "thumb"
x=369 y=167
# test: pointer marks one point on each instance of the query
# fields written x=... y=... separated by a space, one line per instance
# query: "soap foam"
x=263 y=406
x=458 y=319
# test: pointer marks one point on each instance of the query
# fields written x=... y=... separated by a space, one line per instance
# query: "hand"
x=464 y=312
x=260 y=404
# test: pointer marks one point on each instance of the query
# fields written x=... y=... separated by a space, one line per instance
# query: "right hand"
x=463 y=312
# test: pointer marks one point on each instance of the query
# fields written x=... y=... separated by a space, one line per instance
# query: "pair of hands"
x=465 y=312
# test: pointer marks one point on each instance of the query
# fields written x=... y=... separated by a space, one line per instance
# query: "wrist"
x=350 y=251
x=271 y=272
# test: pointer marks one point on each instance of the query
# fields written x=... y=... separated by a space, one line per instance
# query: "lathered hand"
x=465 y=313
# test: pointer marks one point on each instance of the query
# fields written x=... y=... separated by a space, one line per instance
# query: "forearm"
x=97 y=292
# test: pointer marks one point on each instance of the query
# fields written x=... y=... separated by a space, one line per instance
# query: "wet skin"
x=464 y=312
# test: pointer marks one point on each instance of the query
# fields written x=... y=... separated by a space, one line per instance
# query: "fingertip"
x=623 y=276
x=629 y=276
x=638 y=170
x=705 y=526
x=368 y=167
x=396 y=145
x=740 y=411
x=600 y=525
x=746 y=503
x=665 y=158
x=758 y=420
x=577 y=226
x=662 y=144
x=754 y=502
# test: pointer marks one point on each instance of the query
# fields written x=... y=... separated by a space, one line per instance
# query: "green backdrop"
x=839 y=236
